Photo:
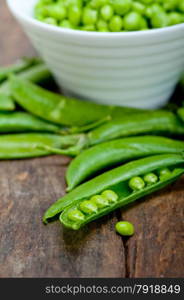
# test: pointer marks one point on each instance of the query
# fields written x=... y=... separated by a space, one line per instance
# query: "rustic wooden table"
x=28 y=187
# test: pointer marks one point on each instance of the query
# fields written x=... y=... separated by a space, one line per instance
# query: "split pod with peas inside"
x=112 y=153
x=116 y=188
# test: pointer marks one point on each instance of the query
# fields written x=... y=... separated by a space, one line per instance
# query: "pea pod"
x=24 y=122
x=25 y=145
x=159 y=122
x=112 y=153
x=6 y=103
x=60 y=109
x=32 y=69
x=37 y=74
x=117 y=180
x=18 y=67
x=180 y=113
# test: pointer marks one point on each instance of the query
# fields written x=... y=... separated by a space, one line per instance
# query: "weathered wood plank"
x=157 y=249
x=13 y=43
x=27 y=188
x=30 y=249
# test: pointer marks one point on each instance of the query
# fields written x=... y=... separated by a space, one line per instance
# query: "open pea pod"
x=121 y=193
x=108 y=154
x=117 y=181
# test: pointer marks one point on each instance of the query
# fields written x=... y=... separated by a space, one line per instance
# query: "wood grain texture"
x=28 y=187
x=13 y=43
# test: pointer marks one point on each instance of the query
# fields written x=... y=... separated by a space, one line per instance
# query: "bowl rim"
x=93 y=34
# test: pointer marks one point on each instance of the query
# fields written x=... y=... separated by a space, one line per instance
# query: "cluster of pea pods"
x=120 y=154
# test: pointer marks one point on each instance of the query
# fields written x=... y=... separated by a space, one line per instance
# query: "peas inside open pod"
x=116 y=188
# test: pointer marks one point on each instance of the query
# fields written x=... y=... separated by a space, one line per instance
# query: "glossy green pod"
x=21 y=65
x=120 y=185
x=54 y=107
x=180 y=113
x=100 y=157
x=153 y=122
x=62 y=110
x=159 y=122
x=30 y=68
x=6 y=103
x=25 y=122
x=36 y=73
x=112 y=178
x=28 y=145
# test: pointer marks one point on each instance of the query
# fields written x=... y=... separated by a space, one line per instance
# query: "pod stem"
x=89 y=126
x=77 y=143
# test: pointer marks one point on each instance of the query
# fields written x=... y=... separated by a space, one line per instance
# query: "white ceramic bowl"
x=137 y=69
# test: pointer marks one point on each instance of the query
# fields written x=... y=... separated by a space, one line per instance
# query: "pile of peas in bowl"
x=110 y=15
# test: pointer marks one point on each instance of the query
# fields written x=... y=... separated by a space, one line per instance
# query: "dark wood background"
x=28 y=187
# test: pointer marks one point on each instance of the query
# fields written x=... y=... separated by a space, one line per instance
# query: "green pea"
x=88 y=28
x=50 y=21
x=148 y=12
x=102 y=25
x=41 y=11
x=132 y=21
x=138 y=7
x=88 y=207
x=100 y=201
x=147 y=1
x=136 y=183
x=150 y=178
x=74 y=15
x=42 y=2
x=40 y=18
x=181 y=6
x=57 y=12
x=159 y=20
x=76 y=215
x=164 y=173
x=174 y=18
x=170 y=4
x=106 y=12
x=125 y=228
x=66 y=24
x=144 y=24
x=98 y=3
x=122 y=7
x=110 y=195
x=116 y=24
x=153 y=9
x=69 y=3
x=90 y=16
